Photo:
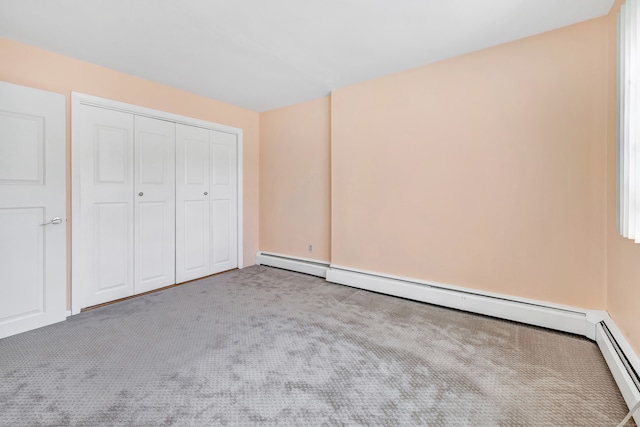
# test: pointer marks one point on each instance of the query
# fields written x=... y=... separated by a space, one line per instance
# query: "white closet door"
x=106 y=205
x=154 y=204
x=192 y=202
x=32 y=193
x=224 y=202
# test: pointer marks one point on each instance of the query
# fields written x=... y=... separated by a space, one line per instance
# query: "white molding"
x=628 y=389
x=78 y=99
x=553 y=316
x=240 y=190
x=301 y=265
x=74 y=221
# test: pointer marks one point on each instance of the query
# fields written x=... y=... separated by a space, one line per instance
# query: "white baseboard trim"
x=301 y=265
x=553 y=316
x=622 y=361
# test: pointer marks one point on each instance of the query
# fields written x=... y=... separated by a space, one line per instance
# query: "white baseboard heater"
x=621 y=359
x=593 y=324
x=301 y=265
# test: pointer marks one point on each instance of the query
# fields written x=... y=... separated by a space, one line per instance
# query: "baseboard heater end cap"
x=593 y=318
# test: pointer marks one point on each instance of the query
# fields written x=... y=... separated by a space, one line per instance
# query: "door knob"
x=54 y=221
x=141 y=194
x=205 y=193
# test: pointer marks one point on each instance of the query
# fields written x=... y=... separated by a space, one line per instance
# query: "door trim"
x=78 y=99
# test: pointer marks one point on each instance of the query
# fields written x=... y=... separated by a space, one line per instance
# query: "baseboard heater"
x=301 y=265
x=593 y=324
x=532 y=312
x=621 y=359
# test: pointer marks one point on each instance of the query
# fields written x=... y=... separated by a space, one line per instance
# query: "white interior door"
x=104 y=255
x=192 y=202
x=154 y=204
x=32 y=194
x=224 y=202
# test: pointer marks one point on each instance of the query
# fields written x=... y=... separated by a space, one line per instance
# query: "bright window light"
x=628 y=134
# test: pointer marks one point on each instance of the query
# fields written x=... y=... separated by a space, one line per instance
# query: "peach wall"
x=484 y=171
x=295 y=180
x=29 y=66
x=623 y=255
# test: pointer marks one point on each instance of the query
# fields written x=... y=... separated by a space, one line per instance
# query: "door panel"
x=192 y=198
x=24 y=228
x=224 y=202
x=152 y=264
x=32 y=193
x=105 y=269
x=221 y=224
x=154 y=204
x=196 y=242
x=112 y=246
x=112 y=155
x=196 y=158
x=22 y=149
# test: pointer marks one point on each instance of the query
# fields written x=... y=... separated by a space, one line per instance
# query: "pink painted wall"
x=295 y=180
x=488 y=170
x=37 y=68
x=484 y=171
x=623 y=255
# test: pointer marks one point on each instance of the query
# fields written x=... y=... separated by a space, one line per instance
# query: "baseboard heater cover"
x=593 y=324
x=301 y=265
x=552 y=316
x=621 y=359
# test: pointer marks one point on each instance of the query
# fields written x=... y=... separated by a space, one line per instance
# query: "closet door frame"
x=78 y=99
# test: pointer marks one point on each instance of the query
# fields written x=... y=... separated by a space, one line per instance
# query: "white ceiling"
x=265 y=54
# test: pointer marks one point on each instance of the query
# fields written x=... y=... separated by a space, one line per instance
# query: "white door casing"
x=32 y=194
x=192 y=202
x=154 y=240
x=103 y=250
x=224 y=202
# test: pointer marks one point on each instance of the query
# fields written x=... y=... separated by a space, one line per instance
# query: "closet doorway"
x=156 y=200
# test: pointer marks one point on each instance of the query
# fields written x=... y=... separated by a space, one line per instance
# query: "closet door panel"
x=220 y=232
x=196 y=241
x=224 y=202
x=106 y=205
x=154 y=204
x=192 y=198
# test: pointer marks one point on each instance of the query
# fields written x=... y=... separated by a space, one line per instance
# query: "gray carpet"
x=263 y=346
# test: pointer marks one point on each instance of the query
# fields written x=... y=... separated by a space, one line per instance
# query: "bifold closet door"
x=192 y=202
x=106 y=205
x=154 y=206
x=224 y=202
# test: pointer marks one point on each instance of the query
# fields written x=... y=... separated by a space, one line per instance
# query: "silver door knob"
x=141 y=194
x=54 y=221
x=205 y=193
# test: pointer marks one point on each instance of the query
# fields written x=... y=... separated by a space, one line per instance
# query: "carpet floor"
x=262 y=346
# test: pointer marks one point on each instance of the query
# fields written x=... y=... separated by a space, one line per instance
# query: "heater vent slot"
x=623 y=358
